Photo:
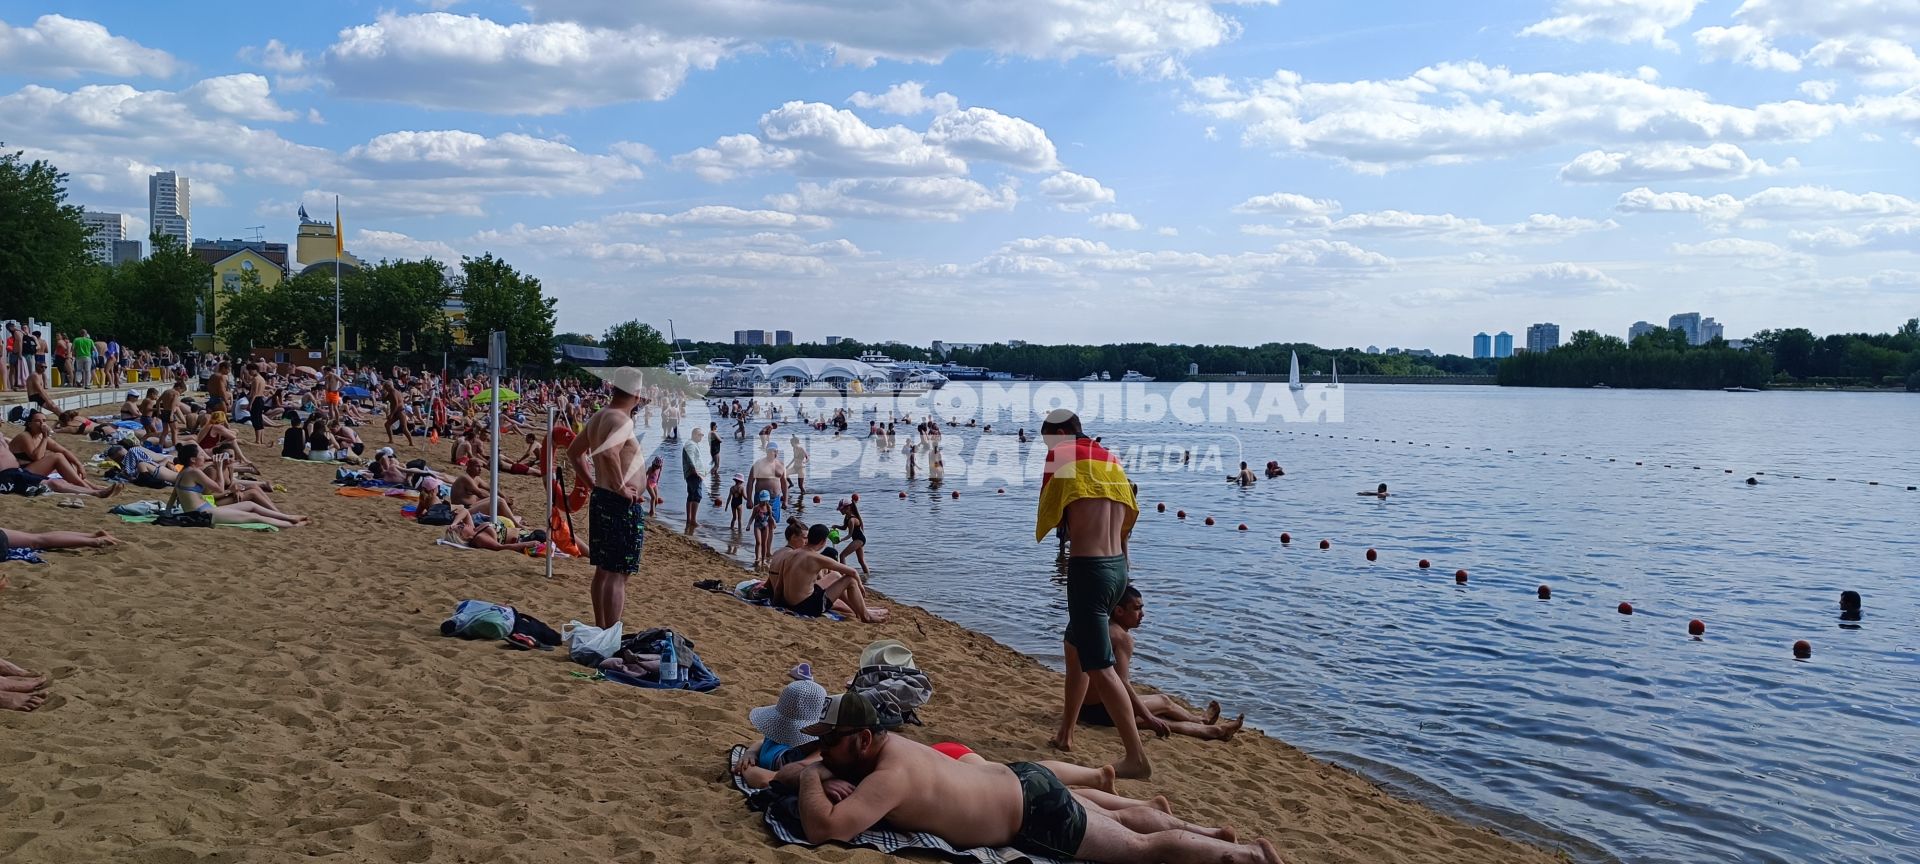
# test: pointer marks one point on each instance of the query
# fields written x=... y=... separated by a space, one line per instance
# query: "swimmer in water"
x=1244 y=478
x=1274 y=470
x=1380 y=493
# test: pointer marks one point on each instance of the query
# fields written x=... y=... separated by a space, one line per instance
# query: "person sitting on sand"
x=131 y=409
x=21 y=477
x=472 y=491
x=876 y=775
x=1153 y=711
x=791 y=581
x=1380 y=493
x=1274 y=470
x=203 y=479
x=468 y=531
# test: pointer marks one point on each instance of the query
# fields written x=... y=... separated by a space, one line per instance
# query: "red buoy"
x=1544 y=593
x=1326 y=544
x=1243 y=526
x=1372 y=555
x=816 y=499
x=1209 y=520
x=956 y=494
x=1285 y=538
x=903 y=494
x=1182 y=514
x=1163 y=506
x=1459 y=577
x=1424 y=564
x=1696 y=627
x=1626 y=608
x=1803 y=649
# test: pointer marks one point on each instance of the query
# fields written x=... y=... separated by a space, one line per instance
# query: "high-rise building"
x=108 y=229
x=756 y=337
x=783 y=337
x=1543 y=337
x=1482 y=346
x=835 y=340
x=1373 y=349
x=1639 y=328
x=1502 y=344
x=1688 y=323
x=1711 y=330
x=169 y=207
x=125 y=252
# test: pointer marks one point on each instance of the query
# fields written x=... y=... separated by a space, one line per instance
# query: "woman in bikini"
x=855 y=529
x=201 y=480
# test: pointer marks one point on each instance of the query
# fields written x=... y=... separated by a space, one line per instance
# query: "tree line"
x=392 y=311
x=1663 y=359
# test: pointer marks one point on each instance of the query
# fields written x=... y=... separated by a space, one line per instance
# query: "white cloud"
x=441 y=60
x=393 y=244
x=906 y=99
x=246 y=96
x=1115 y=222
x=1132 y=32
x=274 y=57
x=1821 y=90
x=1559 y=278
x=1615 y=20
x=1775 y=203
x=1742 y=252
x=1889 y=235
x=936 y=199
x=1833 y=18
x=1074 y=192
x=1549 y=226
x=1167 y=231
x=1288 y=204
x=1743 y=44
x=1645 y=200
x=1721 y=161
x=1459 y=111
x=813 y=139
x=63 y=47
x=981 y=133
x=1400 y=223
x=1874 y=61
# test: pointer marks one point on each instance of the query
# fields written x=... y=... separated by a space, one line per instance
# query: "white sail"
x=1336 y=376
x=1293 y=374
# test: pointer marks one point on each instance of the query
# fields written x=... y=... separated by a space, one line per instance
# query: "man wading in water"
x=616 y=526
x=1085 y=489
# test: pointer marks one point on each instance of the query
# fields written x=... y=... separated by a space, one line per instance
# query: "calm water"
x=1604 y=734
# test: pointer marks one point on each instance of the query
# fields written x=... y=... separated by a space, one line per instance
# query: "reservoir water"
x=1608 y=735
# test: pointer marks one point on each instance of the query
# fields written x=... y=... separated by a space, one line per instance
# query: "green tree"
x=632 y=343
x=155 y=299
x=499 y=297
x=394 y=308
x=560 y=339
x=43 y=243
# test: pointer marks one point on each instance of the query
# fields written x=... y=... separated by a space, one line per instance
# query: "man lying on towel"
x=866 y=774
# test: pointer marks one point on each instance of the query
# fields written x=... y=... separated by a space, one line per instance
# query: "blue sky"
x=1050 y=170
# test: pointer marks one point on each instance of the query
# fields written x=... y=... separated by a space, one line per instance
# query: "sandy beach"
x=237 y=697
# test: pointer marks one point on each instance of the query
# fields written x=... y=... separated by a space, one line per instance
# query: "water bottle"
x=669 y=662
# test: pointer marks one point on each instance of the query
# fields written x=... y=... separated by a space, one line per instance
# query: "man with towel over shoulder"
x=1085 y=489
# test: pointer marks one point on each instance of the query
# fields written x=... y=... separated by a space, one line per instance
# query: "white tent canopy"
x=823 y=369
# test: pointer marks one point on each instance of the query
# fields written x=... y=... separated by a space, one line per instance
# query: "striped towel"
x=782 y=810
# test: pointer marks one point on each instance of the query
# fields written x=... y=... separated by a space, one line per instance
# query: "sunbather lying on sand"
x=202 y=479
x=866 y=774
x=468 y=531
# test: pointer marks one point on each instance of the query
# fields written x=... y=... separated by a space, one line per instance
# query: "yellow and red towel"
x=1081 y=469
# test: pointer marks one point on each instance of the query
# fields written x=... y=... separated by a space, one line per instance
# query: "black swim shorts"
x=616 y=528
x=693 y=488
x=1094 y=586
x=813 y=607
x=1052 y=823
x=20 y=481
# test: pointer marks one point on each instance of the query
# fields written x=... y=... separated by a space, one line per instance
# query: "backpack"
x=438 y=514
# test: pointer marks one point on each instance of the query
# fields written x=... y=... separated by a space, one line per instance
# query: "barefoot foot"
x=21 y=701
x=12 y=671
x=1161 y=804
x=1232 y=727
x=1064 y=745
x=1213 y=712
x=20 y=684
x=1106 y=779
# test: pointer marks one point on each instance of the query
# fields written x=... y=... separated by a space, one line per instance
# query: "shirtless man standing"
x=331 y=398
x=396 y=412
x=770 y=475
x=866 y=774
x=1085 y=489
x=220 y=388
x=792 y=574
x=608 y=451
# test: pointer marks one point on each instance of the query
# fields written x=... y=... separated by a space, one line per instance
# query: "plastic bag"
x=588 y=645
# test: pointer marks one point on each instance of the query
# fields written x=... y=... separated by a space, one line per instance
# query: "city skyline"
x=1190 y=165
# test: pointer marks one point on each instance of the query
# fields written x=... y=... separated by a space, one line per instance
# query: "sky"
x=1195 y=171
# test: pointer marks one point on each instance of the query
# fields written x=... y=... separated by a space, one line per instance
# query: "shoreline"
x=279 y=695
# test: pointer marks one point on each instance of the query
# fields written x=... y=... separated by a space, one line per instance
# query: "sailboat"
x=1336 y=376
x=1293 y=374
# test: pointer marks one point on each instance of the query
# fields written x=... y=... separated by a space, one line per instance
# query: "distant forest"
x=1663 y=359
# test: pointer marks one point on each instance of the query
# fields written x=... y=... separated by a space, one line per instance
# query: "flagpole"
x=338 y=241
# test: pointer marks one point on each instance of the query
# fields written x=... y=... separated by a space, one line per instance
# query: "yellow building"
x=231 y=260
x=314 y=244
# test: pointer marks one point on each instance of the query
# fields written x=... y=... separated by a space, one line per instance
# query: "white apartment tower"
x=108 y=229
x=169 y=210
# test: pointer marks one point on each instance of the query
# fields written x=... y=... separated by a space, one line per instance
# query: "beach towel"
x=245 y=526
x=782 y=810
x=22 y=555
x=1082 y=469
x=749 y=593
x=374 y=492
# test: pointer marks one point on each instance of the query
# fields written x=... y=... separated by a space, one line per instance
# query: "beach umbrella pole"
x=497 y=357
x=550 y=472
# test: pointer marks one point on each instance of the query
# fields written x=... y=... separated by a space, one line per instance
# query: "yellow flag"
x=339 y=231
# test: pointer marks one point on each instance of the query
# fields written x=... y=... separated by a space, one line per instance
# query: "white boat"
x=1105 y=376
x=1293 y=374
x=1135 y=377
x=1336 y=376
x=1091 y=376
x=1739 y=389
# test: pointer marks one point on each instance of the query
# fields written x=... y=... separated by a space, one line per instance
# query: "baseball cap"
x=762 y=497
x=846 y=711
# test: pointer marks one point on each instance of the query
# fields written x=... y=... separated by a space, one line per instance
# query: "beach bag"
x=894 y=691
x=587 y=645
x=438 y=514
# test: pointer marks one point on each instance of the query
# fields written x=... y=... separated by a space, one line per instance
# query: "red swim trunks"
x=952 y=750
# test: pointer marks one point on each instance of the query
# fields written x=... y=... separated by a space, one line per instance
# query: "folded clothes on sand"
x=782 y=809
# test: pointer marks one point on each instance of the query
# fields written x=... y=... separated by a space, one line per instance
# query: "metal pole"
x=551 y=472
x=337 y=240
x=494 y=403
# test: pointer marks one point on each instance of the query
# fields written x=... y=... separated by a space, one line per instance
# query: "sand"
x=224 y=696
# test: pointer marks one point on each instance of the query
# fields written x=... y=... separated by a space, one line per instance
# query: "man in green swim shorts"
x=866 y=774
